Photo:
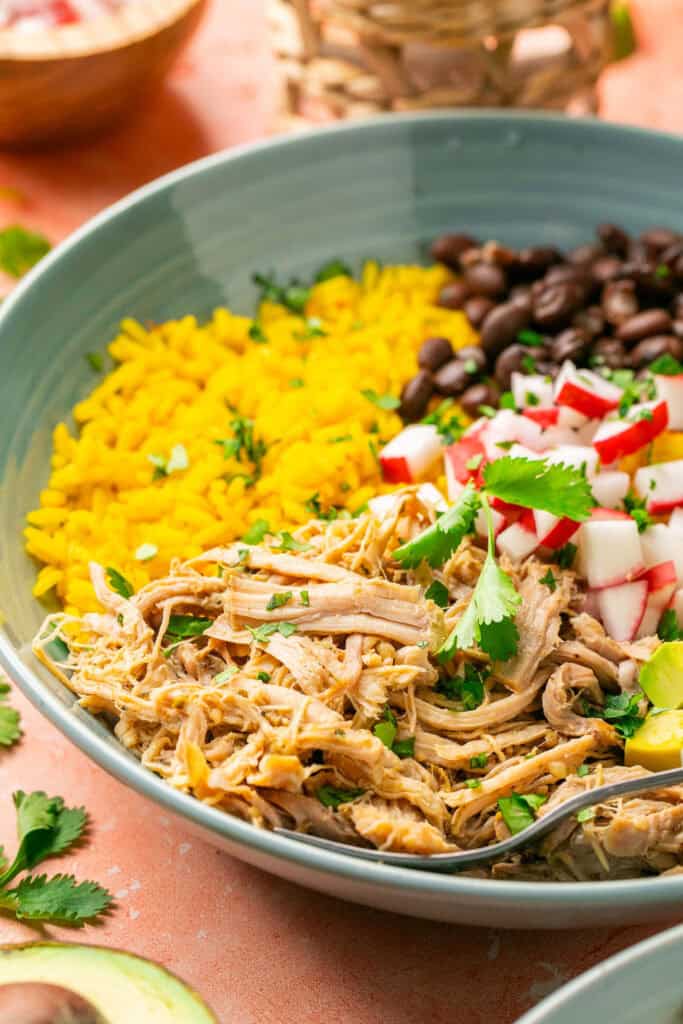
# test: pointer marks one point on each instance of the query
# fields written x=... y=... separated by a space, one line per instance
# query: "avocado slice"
x=658 y=744
x=661 y=677
x=117 y=987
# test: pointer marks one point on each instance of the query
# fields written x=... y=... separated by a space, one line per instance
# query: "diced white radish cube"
x=610 y=488
x=383 y=506
x=661 y=486
x=531 y=390
x=622 y=608
x=661 y=583
x=464 y=460
x=649 y=622
x=615 y=438
x=431 y=497
x=670 y=389
x=609 y=551
x=553 y=531
x=545 y=417
x=518 y=540
x=553 y=437
x=661 y=543
x=507 y=426
x=586 y=392
x=576 y=455
x=676 y=519
x=411 y=454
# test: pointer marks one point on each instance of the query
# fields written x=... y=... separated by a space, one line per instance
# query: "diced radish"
x=649 y=622
x=676 y=519
x=464 y=460
x=661 y=486
x=609 y=551
x=543 y=416
x=622 y=608
x=670 y=389
x=431 y=497
x=608 y=513
x=616 y=438
x=519 y=540
x=532 y=390
x=677 y=605
x=610 y=488
x=661 y=585
x=554 y=437
x=662 y=543
x=505 y=427
x=411 y=454
x=553 y=531
x=586 y=392
x=481 y=524
x=576 y=455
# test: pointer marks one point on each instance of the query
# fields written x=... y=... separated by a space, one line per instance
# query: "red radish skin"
x=615 y=439
x=519 y=540
x=661 y=486
x=464 y=451
x=610 y=552
x=610 y=488
x=586 y=392
x=554 y=531
x=622 y=608
x=411 y=454
x=544 y=417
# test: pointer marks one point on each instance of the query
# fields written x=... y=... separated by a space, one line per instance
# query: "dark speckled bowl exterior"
x=191 y=242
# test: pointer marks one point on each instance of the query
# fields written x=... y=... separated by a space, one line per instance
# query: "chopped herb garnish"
x=10 y=730
x=637 y=509
x=330 y=796
x=96 y=361
x=621 y=710
x=474 y=463
x=585 y=814
x=583 y=770
x=449 y=427
x=119 y=583
x=21 y=249
x=223 y=677
x=285 y=542
x=468 y=688
x=565 y=555
x=185 y=627
x=667 y=629
x=386 y=729
x=488 y=411
x=505 y=445
x=305 y=599
x=256 y=532
x=264 y=632
x=488 y=620
x=507 y=401
x=404 y=748
x=314 y=329
x=666 y=366
x=470 y=366
x=264 y=677
x=662 y=271
x=479 y=761
x=294 y=295
x=531 y=399
x=528 y=364
x=178 y=460
x=473 y=783
x=519 y=810
x=279 y=600
x=145 y=552
x=438 y=593
x=314 y=505
x=550 y=581
x=386 y=402
x=335 y=268
x=531 y=338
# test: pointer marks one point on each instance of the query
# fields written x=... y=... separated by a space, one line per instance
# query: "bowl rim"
x=133 y=23
x=602 y=974
x=118 y=762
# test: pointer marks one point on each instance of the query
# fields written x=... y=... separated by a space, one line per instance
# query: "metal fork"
x=487 y=854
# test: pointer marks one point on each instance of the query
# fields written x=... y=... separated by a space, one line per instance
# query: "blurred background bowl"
x=74 y=79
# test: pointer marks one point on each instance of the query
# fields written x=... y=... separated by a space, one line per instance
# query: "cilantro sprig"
x=10 y=730
x=534 y=483
x=519 y=810
x=437 y=543
x=46 y=828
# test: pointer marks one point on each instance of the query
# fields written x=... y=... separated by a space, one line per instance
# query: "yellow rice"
x=172 y=386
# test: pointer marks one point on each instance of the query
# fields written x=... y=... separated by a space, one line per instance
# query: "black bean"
x=614 y=238
x=415 y=396
x=609 y=352
x=573 y=343
x=677 y=307
x=484 y=393
x=656 y=239
x=433 y=353
x=670 y=256
x=486 y=279
x=494 y=252
x=677 y=328
x=453 y=295
x=619 y=301
x=607 y=268
x=591 y=320
x=564 y=272
x=452 y=379
x=536 y=259
x=502 y=325
x=646 y=351
x=472 y=356
x=554 y=307
x=511 y=360
x=586 y=253
x=521 y=296
x=449 y=248
x=547 y=369
x=644 y=325
x=477 y=309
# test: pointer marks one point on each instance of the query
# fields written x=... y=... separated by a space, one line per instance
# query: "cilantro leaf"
x=518 y=810
x=10 y=730
x=566 y=555
x=437 y=543
x=488 y=619
x=468 y=688
x=335 y=268
x=386 y=402
x=95 y=360
x=257 y=334
x=585 y=814
x=21 y=249
x=294 y=295
x=264 y=632
x=58 y=899
x=637 y=509
x=184 y=627
x=534 y=483
x=386 y=729
x=256 y=532
x=330 y=796
x=438 y=593
x=285 y=542
x=550 y=581
x=45 y=828
x=119 y=583
x=279 y=600
x=449 y=426
x=668 y=626
x=531 y=338
x=404 y=748
x=622 y=710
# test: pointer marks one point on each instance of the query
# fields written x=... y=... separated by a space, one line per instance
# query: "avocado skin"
x=73 y=967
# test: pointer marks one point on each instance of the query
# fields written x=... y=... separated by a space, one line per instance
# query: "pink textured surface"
x=260 y=950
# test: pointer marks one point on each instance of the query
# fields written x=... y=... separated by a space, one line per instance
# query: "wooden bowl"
x=74 y=79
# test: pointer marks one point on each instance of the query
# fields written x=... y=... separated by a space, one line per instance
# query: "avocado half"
x=106 y=986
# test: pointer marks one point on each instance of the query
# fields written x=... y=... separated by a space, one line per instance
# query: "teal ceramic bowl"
x=643 y=983
x=191 y=242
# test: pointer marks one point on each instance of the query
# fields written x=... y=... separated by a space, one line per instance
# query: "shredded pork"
x=310 y=696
